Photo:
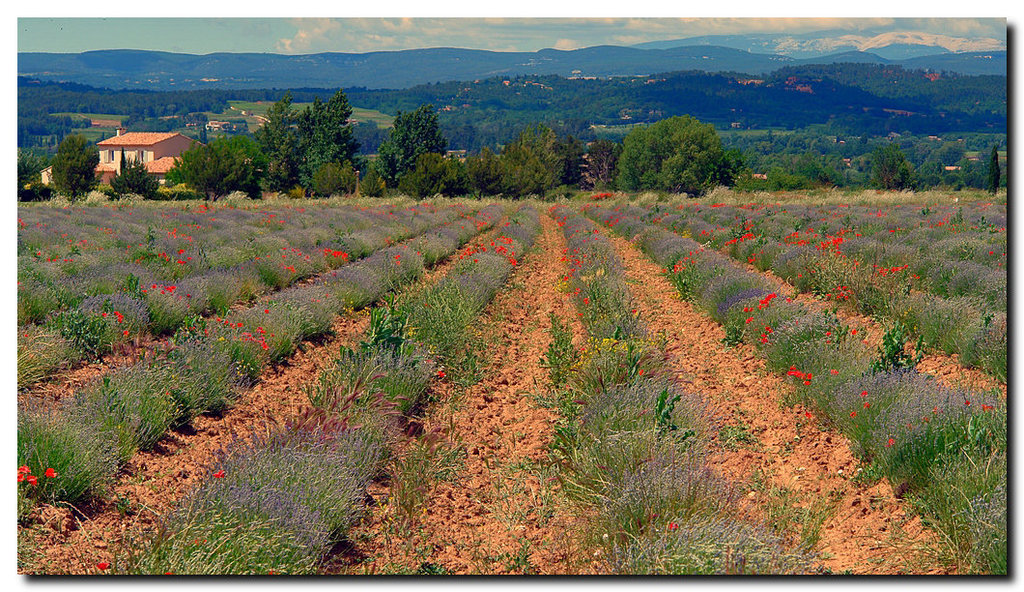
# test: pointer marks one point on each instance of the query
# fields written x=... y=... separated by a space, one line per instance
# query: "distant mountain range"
x=139 y=69
x=891 y=45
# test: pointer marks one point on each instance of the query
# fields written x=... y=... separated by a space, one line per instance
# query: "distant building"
x=219 y=126
x=157 y=150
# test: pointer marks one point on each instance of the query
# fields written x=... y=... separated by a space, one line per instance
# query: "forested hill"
x=156 y=70
x=857 y=99
x=851 y=98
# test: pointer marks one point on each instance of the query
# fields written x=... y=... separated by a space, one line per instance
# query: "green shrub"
x=372 y=184
x=81 y=455
x=561 y=355
x=41 y=351
x=133 y=407
x=334 y=179
x=89 y=333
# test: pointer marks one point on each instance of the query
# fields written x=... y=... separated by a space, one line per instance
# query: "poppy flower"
x=50 y=473
x=103 y=566
x=672 y=526
x=440 y=374
x=219 y=474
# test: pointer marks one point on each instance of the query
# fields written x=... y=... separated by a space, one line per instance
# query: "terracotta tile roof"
x=137 y=139
x=160 y=165
x=106 y=167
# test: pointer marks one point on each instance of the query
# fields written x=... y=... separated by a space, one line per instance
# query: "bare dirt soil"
x=784 y=458
x=501 y=513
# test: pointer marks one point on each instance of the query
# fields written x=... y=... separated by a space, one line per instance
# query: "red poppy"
x=440 y=373
x=853 y=414
x=31 y=479
x=890 y=443
x=219 y=474
x=50 y=473
x=103 y=566
x=672 y=526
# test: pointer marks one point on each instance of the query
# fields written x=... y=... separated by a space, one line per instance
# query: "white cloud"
x=311 y=34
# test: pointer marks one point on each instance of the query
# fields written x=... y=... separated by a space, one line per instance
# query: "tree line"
x=313 y=152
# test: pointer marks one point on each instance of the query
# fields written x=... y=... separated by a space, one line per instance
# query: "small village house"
x=157 y=150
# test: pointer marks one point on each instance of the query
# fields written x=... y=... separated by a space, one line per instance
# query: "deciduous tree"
x=412 y=134
x=220 y=167
x=278 y=138
x=890 y=169
x=484 y=173
x=433 y=175
x=325 y=135
x=678 y=154
x=530 y=164
x=334 y=179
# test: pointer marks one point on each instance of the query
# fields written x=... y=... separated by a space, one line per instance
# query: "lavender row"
x=636 y=448
x=905 y=424
x=98 y=323
x=345 y=438
x=966 y=317
x=89 y=438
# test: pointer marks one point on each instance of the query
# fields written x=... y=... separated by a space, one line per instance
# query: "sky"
x=312 y=35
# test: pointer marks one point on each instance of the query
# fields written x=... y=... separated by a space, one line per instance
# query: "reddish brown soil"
x=74 y=542
x=503 y=513
x=787 y=450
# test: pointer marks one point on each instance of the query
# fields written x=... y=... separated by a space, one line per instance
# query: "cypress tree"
x=993 y=170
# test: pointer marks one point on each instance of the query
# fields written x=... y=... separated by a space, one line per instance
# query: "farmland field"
x=614 y=384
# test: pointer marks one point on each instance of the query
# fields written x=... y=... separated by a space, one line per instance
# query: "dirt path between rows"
x=154 y=481
x=502 y=514
x=783 y=456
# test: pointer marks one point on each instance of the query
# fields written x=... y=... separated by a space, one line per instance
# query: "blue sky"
x=311 y=35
